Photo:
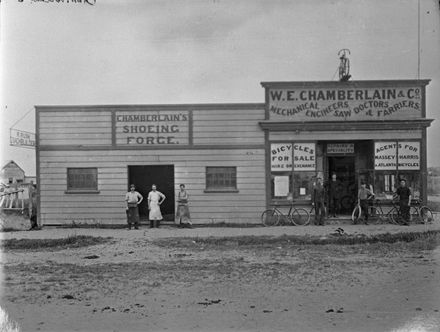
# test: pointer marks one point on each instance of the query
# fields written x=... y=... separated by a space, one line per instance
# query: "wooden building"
x=11 y=173
x=235 y=159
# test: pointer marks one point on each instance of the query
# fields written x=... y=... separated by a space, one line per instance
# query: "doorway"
x=344 y=167
x=143 y=177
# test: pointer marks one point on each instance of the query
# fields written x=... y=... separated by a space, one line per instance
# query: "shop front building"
x=364 y=131
x=235 y=159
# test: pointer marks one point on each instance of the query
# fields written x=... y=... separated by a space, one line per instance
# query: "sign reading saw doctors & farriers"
x=344 y=103
x=140 y=128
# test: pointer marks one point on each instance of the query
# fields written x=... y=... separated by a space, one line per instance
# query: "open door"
x=143 y=177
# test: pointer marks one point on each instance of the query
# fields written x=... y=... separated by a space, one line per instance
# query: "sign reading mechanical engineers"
x=140 y=128
x=344 y=103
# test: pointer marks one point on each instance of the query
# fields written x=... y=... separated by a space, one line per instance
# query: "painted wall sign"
x=339 y=148
x=304 y=157
x=152 y=128
x=385 y=155
x=409 y=156
x=345 y=103
x=21 y=138
x=281 y=157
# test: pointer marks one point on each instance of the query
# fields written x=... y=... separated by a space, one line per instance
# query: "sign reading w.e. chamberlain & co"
x=140 y=128
x=344 y=103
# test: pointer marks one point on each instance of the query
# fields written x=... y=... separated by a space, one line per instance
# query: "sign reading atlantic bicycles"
x=143 y=128
x=345 y=103
x=404 y=155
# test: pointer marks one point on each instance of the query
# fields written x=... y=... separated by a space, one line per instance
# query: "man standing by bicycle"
x=318 y=201
x=404 y=194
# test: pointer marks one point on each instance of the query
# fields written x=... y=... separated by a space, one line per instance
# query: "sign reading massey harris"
x=404 y=155
x=345 y=103
x=152 y=128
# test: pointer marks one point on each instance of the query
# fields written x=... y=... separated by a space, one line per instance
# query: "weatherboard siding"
x=108 y=206
x=75 y=128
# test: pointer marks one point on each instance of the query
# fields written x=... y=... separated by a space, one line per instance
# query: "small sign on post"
x=22 y=138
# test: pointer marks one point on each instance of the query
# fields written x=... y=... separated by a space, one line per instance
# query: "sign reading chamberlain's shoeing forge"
x=152 y=128
x=344 y=103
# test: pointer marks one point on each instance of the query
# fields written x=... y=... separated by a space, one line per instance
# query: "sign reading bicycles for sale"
x=303 y=156
x=344 y=103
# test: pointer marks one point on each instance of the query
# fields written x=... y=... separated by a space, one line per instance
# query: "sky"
x=56 y=52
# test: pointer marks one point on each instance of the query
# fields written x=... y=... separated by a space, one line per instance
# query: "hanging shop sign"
x=152 y=128
x=408 y=156
x=281 y=157
x=340 y=148
x=385 y=156
x=344 y=103
x=21 y=138
x=304 y=157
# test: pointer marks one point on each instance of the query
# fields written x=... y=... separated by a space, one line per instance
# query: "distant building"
x=12 y=173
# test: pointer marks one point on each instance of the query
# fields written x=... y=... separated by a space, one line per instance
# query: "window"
x=82 y=179
x=221 y=178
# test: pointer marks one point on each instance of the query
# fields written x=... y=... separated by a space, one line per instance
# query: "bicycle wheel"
x=394 y=216
x=300 y=217
x=270 y=218
x=414 y=215
x=356 y=214
x=375 y=213
x=426 y=215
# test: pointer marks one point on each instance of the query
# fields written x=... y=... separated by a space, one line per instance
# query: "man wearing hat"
x=318 y=200
x=404 y=194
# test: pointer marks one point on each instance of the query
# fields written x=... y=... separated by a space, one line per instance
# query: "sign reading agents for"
x=408 y=155
x=281 y=157
x=304 y=158
x=385 y=155
x=403 y=155
x=21 y=138
x=152 y=127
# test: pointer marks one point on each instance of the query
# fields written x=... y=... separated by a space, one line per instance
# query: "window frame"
x=210 y=186
x=81 y=190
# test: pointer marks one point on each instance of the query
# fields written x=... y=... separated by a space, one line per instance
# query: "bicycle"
x=420 y=213
x=375 y=212
x=295 y=216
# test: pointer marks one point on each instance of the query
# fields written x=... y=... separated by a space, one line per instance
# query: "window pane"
x=82 y=179
x=221 y=177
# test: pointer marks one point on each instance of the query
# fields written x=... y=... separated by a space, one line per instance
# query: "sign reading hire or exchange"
x=404 y=155
x=152 y=128
x=344 y=103
x=303 y=155
x=21 y=138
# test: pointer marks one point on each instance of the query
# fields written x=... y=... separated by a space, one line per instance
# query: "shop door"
x=344 y=167
x=143 y=177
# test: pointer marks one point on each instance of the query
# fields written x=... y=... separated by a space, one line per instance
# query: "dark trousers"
x=404 y=210
x=319 y=213
x=154 y=223
x=133 y=217
x=364 y=208
x=334 y=206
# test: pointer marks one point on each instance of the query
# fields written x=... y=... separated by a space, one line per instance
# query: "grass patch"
x=74 y=241
x=428 y=240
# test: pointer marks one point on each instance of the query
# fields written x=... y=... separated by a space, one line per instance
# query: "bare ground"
x=183 y=284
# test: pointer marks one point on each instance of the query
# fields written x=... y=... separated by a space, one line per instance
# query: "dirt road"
x=148 y=281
